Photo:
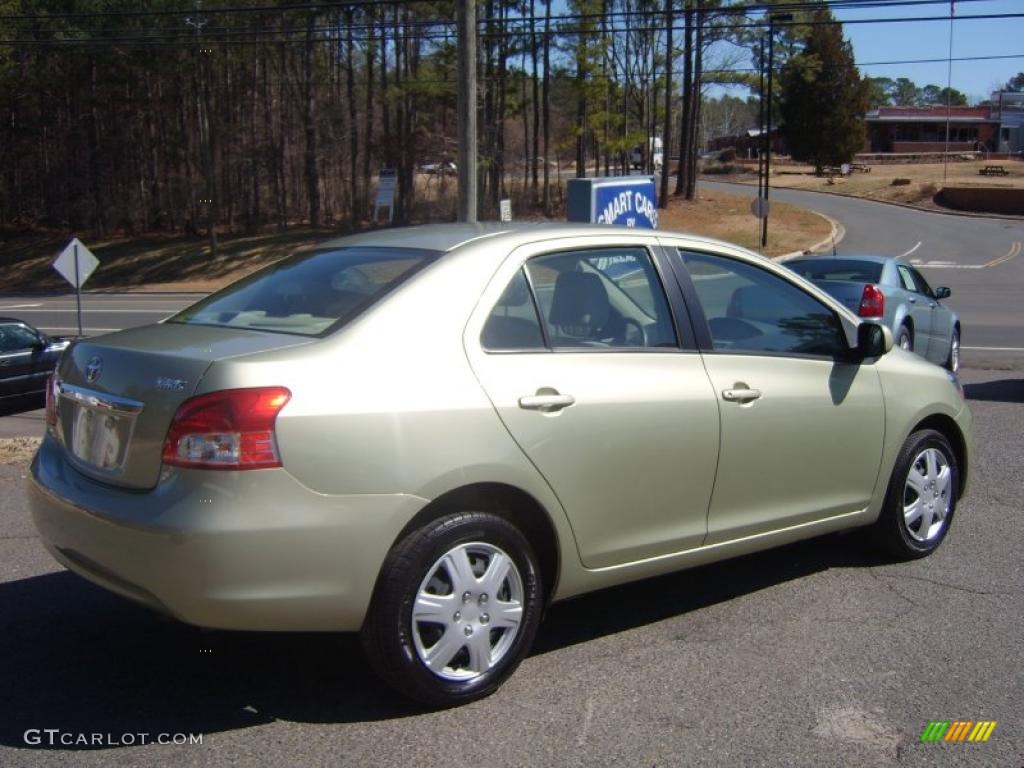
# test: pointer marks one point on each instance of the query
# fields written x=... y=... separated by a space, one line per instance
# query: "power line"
x=180 y=38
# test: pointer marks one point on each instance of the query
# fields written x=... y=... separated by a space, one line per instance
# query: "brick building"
x=923 y=129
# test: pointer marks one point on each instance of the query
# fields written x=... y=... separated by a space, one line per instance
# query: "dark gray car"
x=27 y=357
x=895 y=293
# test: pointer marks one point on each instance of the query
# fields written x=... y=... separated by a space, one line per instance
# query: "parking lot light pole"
x=772 y=18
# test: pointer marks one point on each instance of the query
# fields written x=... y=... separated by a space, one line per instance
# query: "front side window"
x=16 y=338
x=310 y=294
x=749 y=309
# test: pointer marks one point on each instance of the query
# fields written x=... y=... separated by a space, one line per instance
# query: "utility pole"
x=466 y=156
x=761 y=143
x=772 y=18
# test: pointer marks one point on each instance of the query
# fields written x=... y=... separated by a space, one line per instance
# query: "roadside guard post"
x=629 y=201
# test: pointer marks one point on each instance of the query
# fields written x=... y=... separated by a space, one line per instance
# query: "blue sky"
x=930 y=39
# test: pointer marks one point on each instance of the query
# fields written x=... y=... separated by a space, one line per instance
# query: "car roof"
x=14 y=320
x=871 y=259
x=448 y=237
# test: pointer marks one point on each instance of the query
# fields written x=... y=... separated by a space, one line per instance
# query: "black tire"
x=953 y=360
x=390 y=635
x=892 y=531
x=906 y=336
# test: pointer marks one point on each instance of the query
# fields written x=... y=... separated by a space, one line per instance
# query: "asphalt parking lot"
x=817 y=654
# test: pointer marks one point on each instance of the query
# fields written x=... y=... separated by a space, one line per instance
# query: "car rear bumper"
x=249 y=550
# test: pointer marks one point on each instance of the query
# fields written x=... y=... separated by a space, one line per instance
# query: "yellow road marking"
x=1014 y=252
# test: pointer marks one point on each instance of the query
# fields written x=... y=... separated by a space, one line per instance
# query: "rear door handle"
x=546 y=403
x=912 y=300
x=741 y=395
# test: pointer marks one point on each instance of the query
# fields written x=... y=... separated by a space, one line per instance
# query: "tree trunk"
x=309 y=123
x=667 y=124
x=547 y=105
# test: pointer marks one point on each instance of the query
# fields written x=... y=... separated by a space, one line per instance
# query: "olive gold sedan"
x=426 y=435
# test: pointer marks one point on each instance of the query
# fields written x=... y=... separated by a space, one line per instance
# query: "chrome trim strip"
x=98 y=400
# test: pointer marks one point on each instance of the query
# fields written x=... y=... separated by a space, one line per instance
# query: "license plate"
x=100 y=437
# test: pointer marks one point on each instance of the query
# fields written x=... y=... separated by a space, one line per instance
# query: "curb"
x=939 y=212
x=834 y=238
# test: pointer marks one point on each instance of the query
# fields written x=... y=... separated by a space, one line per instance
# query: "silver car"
x=895 y=293
x=427 y=435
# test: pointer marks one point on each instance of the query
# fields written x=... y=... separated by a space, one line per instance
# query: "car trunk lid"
x=118 y=393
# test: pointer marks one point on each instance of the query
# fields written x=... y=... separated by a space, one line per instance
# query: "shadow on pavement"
x=79 y=659
x=22 y=405
x=1002 y=391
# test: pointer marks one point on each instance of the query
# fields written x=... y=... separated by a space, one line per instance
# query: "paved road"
x=815 y=654
x=101 y=312
x=978 y=258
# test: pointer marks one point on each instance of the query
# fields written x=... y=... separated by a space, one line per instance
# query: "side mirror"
x=873 y=340
x=943 y=293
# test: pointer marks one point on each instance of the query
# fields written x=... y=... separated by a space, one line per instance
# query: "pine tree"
x=824 y=98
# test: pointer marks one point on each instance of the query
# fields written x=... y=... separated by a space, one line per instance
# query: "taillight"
x=229 y=429
x=872 y=302
x=51 y=401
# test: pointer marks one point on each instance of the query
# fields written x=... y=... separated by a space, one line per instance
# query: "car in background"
x=439 y=169
x=427 y=435
x=27 y=358
x=892 y=291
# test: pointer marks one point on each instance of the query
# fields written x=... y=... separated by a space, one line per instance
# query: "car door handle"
x=912 y=300
x=741 y=395
x=547 y=403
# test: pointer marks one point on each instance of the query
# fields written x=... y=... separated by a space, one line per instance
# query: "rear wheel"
x=953 y=361
x=904 y=339
x=455 y=610
x=921 y=498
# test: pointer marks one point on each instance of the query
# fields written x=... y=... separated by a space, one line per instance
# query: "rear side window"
x=309 y=295
x=607 y=298
x=513 y=324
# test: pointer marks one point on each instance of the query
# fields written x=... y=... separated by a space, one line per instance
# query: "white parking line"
x=19 y=306
x=907 y=253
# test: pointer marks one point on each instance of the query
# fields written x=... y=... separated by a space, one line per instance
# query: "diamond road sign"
x=65 y=263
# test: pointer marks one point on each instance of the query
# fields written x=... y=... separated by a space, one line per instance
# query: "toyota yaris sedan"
x=427 y=435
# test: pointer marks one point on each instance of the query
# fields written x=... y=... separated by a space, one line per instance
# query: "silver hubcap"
x=467 y=611
x=905 y=342
x=954 y=354
x=928 y=495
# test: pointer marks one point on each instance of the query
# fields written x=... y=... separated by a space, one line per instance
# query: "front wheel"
x=921 y=497
x=953 y=361
x=455 y=610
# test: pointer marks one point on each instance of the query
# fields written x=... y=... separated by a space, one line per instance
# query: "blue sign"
x=629 y=201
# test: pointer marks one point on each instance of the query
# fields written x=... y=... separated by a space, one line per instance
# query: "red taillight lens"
x=229 y=429
x=872 y=302
x=51 y=401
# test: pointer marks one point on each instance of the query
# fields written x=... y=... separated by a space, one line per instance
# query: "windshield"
x=311 y=294
x=838 y=269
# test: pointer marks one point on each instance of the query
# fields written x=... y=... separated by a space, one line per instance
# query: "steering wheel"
x=629 y=321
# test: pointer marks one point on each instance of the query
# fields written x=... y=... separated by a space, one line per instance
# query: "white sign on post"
x=386 y=181
x=75 y=263
x=506 y=209
x=759 y=207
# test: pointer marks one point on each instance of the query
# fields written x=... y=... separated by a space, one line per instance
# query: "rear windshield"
x=310 y=294
x=838 y=269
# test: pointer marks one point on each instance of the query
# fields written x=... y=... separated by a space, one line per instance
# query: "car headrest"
x=580 y=300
